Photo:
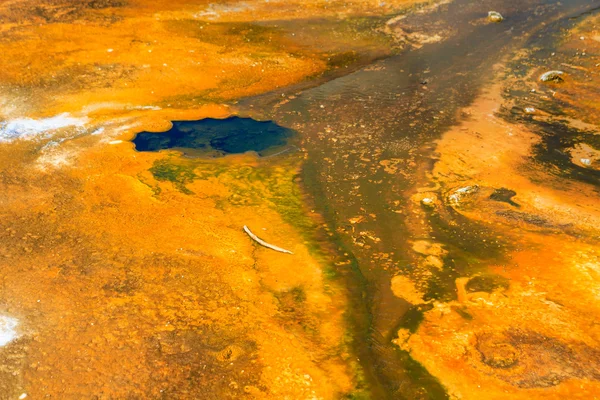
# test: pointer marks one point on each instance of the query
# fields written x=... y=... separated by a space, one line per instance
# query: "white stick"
x=263 y=243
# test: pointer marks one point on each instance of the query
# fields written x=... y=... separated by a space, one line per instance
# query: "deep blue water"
x=216 y=137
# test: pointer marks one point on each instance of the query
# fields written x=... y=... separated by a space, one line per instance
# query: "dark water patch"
x=190 y=100
x=542 y=53
x=441 y=286
x=487 y=283
x=462 y=235
x=504 y=195
x=411 y=380
x=413 y=318
x=424 y=385
x=217 y=137
x=553 y=150
x=584 y=14
x=348 y=271
x=470 y=250
x=342 y=60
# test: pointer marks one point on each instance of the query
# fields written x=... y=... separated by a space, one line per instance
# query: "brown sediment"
x=579 y=55
x=576 y=54
x=531 y=332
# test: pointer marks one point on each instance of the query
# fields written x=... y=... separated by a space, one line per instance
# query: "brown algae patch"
x=579 y=55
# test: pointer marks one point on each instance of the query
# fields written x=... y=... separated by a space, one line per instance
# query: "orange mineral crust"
x=523 y=327
x=128 y=274
x=68 y=56
x=124 y=285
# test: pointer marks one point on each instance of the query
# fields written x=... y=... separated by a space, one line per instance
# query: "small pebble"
x=552 y=76
x=495 y=16
x=427 y=201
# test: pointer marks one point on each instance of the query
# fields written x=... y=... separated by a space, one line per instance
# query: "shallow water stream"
x=386 y=117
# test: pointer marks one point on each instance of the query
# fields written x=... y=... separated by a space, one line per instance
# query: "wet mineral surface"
x=439 y=198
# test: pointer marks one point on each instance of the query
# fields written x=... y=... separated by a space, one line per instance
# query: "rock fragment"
x=552 y=76
x=495 y=16
x=456 y=197
x=427 y=202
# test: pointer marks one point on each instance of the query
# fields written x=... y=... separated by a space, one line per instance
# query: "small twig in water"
x=263 y=243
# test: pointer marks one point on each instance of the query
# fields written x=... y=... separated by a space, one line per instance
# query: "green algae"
x=462 y=311
x=180 y=174
x=428 y=387
x=272 y=183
